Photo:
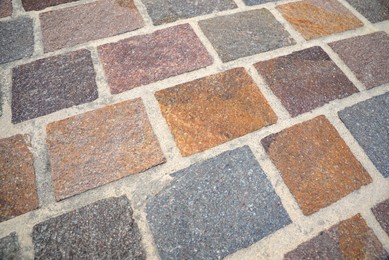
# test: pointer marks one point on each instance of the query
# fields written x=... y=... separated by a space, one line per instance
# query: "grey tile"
x=9 y=247
x=258 y=2
x=374 y=10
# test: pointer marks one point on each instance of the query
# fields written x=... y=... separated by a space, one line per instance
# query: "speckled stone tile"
x=381 y=212
x=141 y=60
x=243 y=34
x=214 y=208
x=102 y=230
x=17 y=177
x=315 y=163
x=5 y=8
x=101 y=146
x=367 y=56
x=317 y=18
x=16 y=39
x=74 y=25
x=258 y=2
x=34 y=5
x=374 y=10
x=51 y=84
x=368 y=122
x=305 y=80
x=350 y=239
x=9 y=247
x=213 y=110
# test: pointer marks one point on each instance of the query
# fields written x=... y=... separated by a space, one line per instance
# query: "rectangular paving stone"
x=102 y=230
x=144 y=59
x=214 y=208
x=368 y=122
x=17 y=177
x=5 y=8
x=367 y=56
x=9 y=247
x=51 y=84
x=381 y=212
x=317 y=18
x=305 y=80
x=374 y=10
x=74 y=25
x=243 y=34
x=315 y=163
x=34 y=5
x=101 y=146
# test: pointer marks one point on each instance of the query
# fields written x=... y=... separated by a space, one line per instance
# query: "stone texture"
x=317 y=18
x=34 y=5
x=315 y=163
x=74 y=25
x=101 y=146
x=213 y=110
x=381 y=212
x=367 y=56
x=258 y=2
x=17 y=177
x=16 y=39
x=51 y=84
x=368 y=122
x=9 y=247
x=215 y=208
x=374 y=10
x=5 y=8
x=141 y=60
x=244 y=34
x=350 y=239
x=305 y=80
x=102 y=230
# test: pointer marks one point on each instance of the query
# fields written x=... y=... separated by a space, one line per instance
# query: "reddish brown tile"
x=5 y=8
x=381 y=212
x=30 y=5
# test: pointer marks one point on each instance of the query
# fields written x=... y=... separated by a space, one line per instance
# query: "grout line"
x=38 y=37
x=356 y=13
x=289 y=28
x=372 y=222
x=101 y=81
x=240 y=4
x=143 y=11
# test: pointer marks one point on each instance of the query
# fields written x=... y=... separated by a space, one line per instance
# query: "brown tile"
x=213 y=110
x=315 y=163
x=17 y=177
x=30 y=5
x=381 y=212
x=143 y=59
x=5 y=8
x=101 y=146
x=317 y=18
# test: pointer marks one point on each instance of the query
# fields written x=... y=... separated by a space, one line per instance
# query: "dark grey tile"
x=258 y=2
x=9 y=247
x=374 y=10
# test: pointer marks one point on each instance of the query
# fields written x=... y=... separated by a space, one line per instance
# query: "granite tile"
x=34 y=5
x=258 y=2
x=9 y=247
x=381 y=212
x=5 y=8
x=374 y=10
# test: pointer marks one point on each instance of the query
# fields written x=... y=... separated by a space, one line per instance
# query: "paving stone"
x=244 y=34
x=141 y=60
x=16 y=39
x=367 y=56
x=374 y=10
x=101 y=146
x=5 y=8
x=381 y=212
x=9 y=247
x=215 y=208
x=74 y=25
x=213 y=110
x=317 y=18
x=102 y=230
x=33 y=5
x=17 y=177
x=257 y=2
x=368 y=122
x=315 y=163
x=51 y=84
x=350 y=239
x=305 y=80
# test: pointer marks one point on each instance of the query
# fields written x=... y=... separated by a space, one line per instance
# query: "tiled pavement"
x=160 y=129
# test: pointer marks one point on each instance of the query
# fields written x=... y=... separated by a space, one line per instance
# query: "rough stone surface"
x=51 y=84
x=9 y=247
x=101 y=146
x=305 y=80
x=367 y=56
x=244 y=34
x=16 y=39
x=17 y=177
x=213 y=110
x=5 y=8
x=374 y=10
x=30 y=5
x=350 y=239
x=102 y=230
x=257 y=2
x=368 y=122
x=317 y=18
x=381 y=212
x=215 y=208
x=74 y=25
x=144 y=59
x=315 y=163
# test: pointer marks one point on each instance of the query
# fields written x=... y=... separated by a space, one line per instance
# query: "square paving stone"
x=368 y=122
x=317 y=18
x=367 y=56
x=374 y=10
x=5 y=8
x=381 y=212
x=34 y=5
x=16 y=39
x=243 y=34
x=215 y=208
x=213 y=110
x=9 y=247
x=100 y=19
x=305 y=80
x=144 y=59
x=315 y=163
x=17 y=177
x=51 y=84
x=349 y=239
x=102 y=230
x=101 y=146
